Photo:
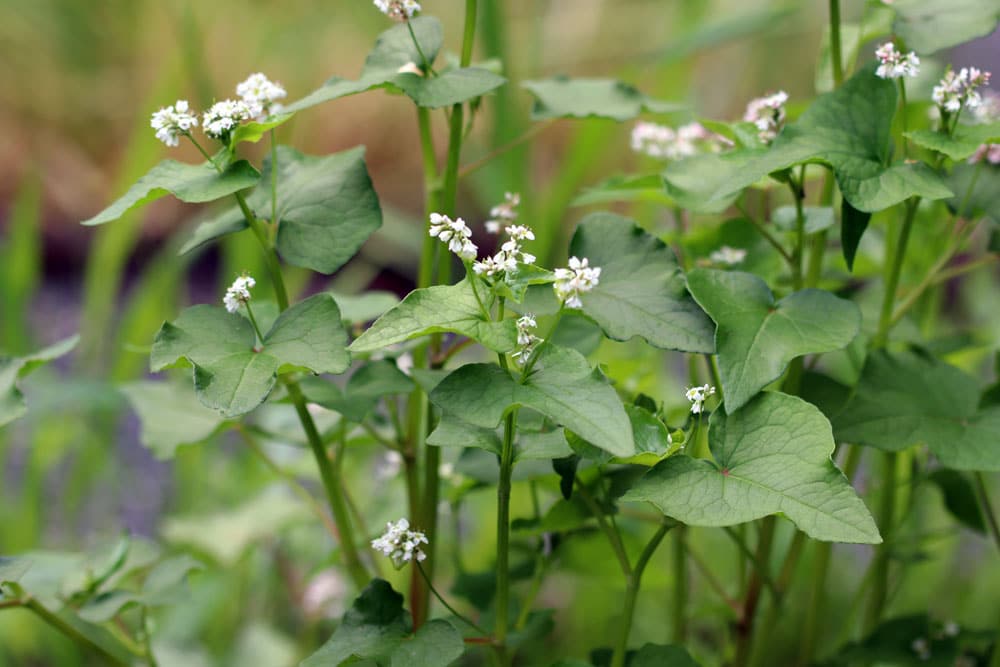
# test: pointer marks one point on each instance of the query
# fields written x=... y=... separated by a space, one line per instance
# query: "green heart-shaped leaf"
x=562 y=97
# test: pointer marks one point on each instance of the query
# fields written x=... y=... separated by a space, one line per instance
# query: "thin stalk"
x=253 y=323
x=632 y=594
x=62 y=626
x=503 y=535
x=613 y=537
x=759 y=569
x=745 y=627
x=472 y=624
x=775 y=243
x=987 y=507
x=274 y=187
x=425 y=64
x=713 y=581
x=836 y=52
x=892 y=282
x=425 y=276
x=880 y=567
x=147 y=639
x=535 y=129
x=681 y=581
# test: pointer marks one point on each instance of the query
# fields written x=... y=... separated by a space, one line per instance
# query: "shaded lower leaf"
x=169 y=416
x=853 y=224
x=959 y=498
x=656 y=655
x=563 y=97
x=12 y=369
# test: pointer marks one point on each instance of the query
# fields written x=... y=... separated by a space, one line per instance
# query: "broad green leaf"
x=393 y=50
x=817 y=218
x=928 y=26
x=326 y=206
x=563 y=387
x=905 y=399
x=165 y=584
x=363 y=391
x=959 y=497
x=563 y=97
x=773 y=456
x=364 y=307
x=848 y=129
x=12 y=369
x=192 y=183
x=757 y=337
x=436 y=644
x=642 y=290
x=444 y=308
x=891 y=643
x=630 y=188
x=12 y=569
x=853 y=224
x=960 y=145
x=977 y=190
x=449 y=87
x=653 y=655
x=169 y=416
x=528 y=446
x=231 y=374
x=254 y=131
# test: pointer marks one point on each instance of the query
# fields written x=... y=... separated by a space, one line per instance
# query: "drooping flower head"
x=455 y=233
x=238 y=293
x=172 y=122
x=224 y=116
x=503 y=213
x=666 y=143
x=261 y=94
x=768 y=114
x=578 y=279
x=895 y=65
x=727 y=256
x=398 y=10
x=697 y=396
x=400 y=543
x=960 y=90
x=526 y=339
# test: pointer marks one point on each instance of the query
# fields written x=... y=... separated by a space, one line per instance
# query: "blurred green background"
x=79 y=82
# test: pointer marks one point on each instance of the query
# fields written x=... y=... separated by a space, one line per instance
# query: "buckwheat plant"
x=815 y=245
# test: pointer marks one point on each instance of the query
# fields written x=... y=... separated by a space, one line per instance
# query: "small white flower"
x=520 y=233
x=960 y=90
x=578 y=279
x=503 y=213
x=238 y=292
x=951 y=629
x=510 y=253
x=261 y=94
x=526 y=339
x=896 y=65
x=698 y=396
x=922 y=648
x=400 y=543
x=768 y=114
x=172 y=122
x=455 y=233
x=398 y=10
x=224 y=116
x=728 y=256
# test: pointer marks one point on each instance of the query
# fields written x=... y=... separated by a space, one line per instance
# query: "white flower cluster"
x=238 y=292
x=988 y=111
x=894 y=64
x=455 y=233
x=503 y=213
x=399 y=10
x=526 y=340
x=958 y=91
x=727 y=255
x=172 y=122
x=510 y=253
x=578 y=279
x=664 y=142
x=698 y=396
x=921 y=647
x=224 y=116
x=400 y=543
x=768 y=114
x=261 y=95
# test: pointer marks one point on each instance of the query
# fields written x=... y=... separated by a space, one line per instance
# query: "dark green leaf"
x=12 y=369
x=817 y=218
x=757 y=337
x=363 y=391
x=853 y=224
x=642 y=289
x=977 y=191
x=892 y=643
x=450 y=87
x=959 y=498
x=653 y=655
x=773 y=456
x=563 y=97
x=436 y=644
x=192 y=183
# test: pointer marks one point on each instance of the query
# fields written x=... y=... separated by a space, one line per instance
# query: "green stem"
x=775 y=243
x=425 y=64
x=798 y=254
x=274 y=187
x=681 y=582
x=617 y=546
x=880 y=567
x=632 y=594
x=902 y=119
x=745 y=627
x=472 y=624
x=503 y=534
x=892 y=282
x=253 y=323
x=836 y=53
x=67 y=629
x=987 y=508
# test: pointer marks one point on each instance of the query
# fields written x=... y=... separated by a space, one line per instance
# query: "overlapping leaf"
x=170 y=417
x=563 y=97
x=642 y=289
x=961 y=144
x=368 y=384
x=230 y=374
x=771 y=457
x=12 y=369
x=757 y=337
x=906 y=398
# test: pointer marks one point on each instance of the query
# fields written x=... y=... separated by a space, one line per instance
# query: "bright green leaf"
x=563 y=387
x=906 y=398
x=449 y=87
x=757 y=337
x=169 y=416
x=436 y=644
x=255 y=130
x=773 y=456
x=12 y=369
x=961 y=144
x=642 y=290
x=444 y=308
x=563 y=97
x=192 y=183
x=928 y=26
x=310 y=335
x=630 y=188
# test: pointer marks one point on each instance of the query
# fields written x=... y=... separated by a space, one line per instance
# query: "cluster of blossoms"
x=510 y=253
x=399 y=10
x=172 y=122
x=698 y=396
x=727 y=256
x=894 y=64
x=238 y=292
x=578 y=279
x=504 y=213
x=456 y=234
x=258 y=98
x=526 y=340
x=664 y=142
x=768 y=114
x=960 y=90
x=988 y=111
x=400 y=543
